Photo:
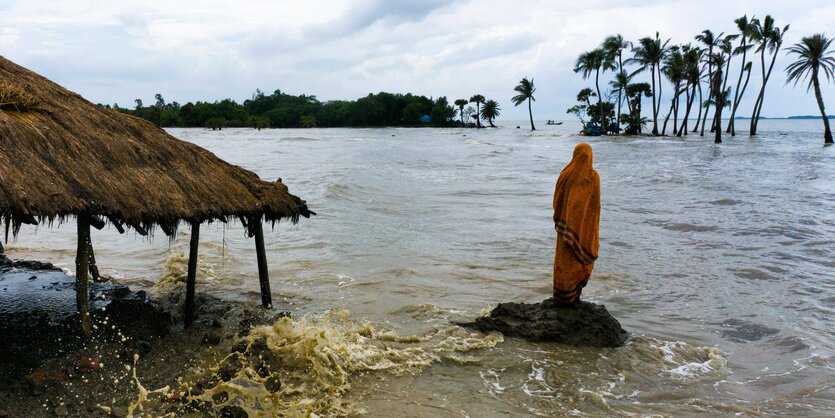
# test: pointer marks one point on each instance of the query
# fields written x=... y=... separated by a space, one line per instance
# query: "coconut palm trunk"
x=758 y=107
x=738 y=93
x=710 y=96
x=478 y=115
x=827 y=133
x=691 y=96
x=620 y=89
x=654 y=107
x=699 y=118
x=602 y=115
x=530 y=114
x=732 y=128
x=717 y=117
x=670 y=112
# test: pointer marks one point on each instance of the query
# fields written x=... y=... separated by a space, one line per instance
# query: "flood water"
x=718 y=259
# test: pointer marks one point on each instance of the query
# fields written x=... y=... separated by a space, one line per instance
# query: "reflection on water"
x=717 y=258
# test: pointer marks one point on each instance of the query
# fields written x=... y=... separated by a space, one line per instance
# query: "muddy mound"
x=38 y=318
x=582 y=324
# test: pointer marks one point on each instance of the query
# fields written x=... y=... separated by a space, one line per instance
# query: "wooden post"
x=82 y=267
x=263 y=273
x=192 y=273
x=94 y=269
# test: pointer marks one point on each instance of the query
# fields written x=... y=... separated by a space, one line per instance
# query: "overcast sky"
x=188 y=50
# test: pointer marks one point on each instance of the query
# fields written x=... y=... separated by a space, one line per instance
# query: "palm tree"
x=614 y=46
x=490 y=111
x=525 y=88
x=584 y=96
x=650 y=53
x=711 y=41
x=634 y=93
x=722 y=57
x=813 y=57
x=461 y=103
x=595 y=61
x=722 y=96
x=692 y=73
x=478 y=100
x=745 y=31
x=673 y=69
x=769 y=37
x=619 y=84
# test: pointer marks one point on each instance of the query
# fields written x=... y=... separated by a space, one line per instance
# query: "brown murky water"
x=718 y=260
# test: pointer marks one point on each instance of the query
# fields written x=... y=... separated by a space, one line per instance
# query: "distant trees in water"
x=712 y=73
x=282 y=110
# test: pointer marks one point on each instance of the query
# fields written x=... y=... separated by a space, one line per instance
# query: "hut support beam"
x=94 y=269
x=192 y=273
x=263 y=273
x=82 y=267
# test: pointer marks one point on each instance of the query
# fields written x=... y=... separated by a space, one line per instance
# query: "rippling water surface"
x=717 y=258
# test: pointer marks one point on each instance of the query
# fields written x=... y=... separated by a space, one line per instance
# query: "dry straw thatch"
x=61 y=155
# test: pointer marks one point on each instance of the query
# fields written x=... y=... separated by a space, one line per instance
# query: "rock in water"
x=582 y=324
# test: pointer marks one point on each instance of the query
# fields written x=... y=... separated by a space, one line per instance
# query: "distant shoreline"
x=796 y=117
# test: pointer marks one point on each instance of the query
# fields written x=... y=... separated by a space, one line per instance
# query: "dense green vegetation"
x=711 y=73
x=282 y=110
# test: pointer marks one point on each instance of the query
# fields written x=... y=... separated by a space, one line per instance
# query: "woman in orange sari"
x=577 y=220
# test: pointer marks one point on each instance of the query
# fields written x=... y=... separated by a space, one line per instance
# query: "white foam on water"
x=315 y=358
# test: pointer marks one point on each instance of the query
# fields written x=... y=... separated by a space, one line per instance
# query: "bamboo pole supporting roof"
x=61 y=155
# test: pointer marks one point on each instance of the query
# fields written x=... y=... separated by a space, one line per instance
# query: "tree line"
x=282 y=110
x=711 y=73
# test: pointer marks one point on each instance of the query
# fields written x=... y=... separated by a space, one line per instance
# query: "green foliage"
x=216 y=123
x=442 y=113
x=490 y=111
x=526 y=89
x=814 y=56
x=282 y=110
x=579 y=111
x=634 y=123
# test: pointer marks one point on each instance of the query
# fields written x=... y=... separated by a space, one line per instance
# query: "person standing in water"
x=577 y=221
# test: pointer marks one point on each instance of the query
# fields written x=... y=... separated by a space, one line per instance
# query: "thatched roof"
x=61 y=155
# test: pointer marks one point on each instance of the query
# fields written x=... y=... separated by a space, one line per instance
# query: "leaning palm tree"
x=722 y=96
x=710 y=41
x=478 y=100
x=595 y=61
x=490 y=111
x=746 y=30
x=525 y=88
x=769 y=37
x=814 y=57
x=650 y=52
x=461 y=103
x=673 y=69
x=614 y=46
x=692 y=73
x=620 y=83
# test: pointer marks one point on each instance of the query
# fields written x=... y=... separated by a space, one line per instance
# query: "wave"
x=305 y=367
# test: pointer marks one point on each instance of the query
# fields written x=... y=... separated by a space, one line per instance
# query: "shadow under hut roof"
x=62 y=156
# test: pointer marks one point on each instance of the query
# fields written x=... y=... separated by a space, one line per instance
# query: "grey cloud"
x=491 y=48
x=368 y=13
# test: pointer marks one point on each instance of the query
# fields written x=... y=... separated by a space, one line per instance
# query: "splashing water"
x=304 y=367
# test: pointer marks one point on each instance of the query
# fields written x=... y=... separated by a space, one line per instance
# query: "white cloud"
x=211 y=49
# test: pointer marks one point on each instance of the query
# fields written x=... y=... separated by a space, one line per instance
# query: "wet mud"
x=580 y=324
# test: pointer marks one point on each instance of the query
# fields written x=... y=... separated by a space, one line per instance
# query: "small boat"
x=550 y=122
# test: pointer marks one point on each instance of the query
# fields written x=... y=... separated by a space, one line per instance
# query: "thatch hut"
x=62 y=156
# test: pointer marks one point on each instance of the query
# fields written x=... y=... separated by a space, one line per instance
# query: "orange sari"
x=577 y=221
